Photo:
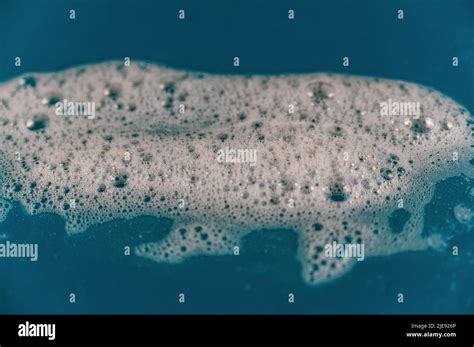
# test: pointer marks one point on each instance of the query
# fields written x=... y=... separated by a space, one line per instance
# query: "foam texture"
x=335 y=169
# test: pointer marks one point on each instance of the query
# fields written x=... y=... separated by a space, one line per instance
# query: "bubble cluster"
x=5 y=207
x=328 y=164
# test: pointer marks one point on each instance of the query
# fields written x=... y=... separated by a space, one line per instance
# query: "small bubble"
x=339 y=192
x=394 y=159
x=51 y=100
x=223 y=137
x=306 y=188
x=447 y=126
x=120 y=180
x=242 y=116
x=337 y=131
x=422 y=125
x=274 y=200
x=320 y=91
x=168 y=87
x=27 y=81
x=112 y=92
x=387 y=174
x=429 y=123
x=168 y=103
x=36 y=123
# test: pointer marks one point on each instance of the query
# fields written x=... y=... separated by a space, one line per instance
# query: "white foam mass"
x=328 y=164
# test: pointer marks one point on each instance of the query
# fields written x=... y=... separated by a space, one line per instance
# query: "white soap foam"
x=330 y=166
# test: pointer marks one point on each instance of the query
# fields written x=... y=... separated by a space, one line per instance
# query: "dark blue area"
x=92 y=265
x=418 y=48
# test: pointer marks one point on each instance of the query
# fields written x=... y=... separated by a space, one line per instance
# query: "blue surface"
x=418 y=49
